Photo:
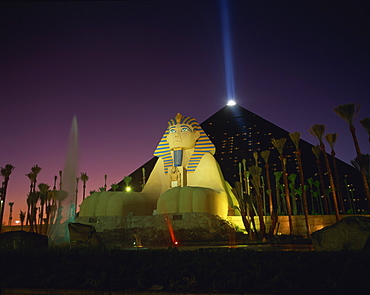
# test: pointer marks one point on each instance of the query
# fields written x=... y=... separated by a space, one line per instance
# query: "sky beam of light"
x=228 y=58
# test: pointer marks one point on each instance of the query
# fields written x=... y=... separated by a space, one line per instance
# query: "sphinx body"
x=186 y=178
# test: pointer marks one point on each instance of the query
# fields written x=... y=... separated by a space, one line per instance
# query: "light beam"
x=228 y=56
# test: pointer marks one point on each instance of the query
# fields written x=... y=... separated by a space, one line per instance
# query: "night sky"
x=125 y=67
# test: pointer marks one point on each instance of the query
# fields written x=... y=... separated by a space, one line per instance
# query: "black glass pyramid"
x=237 y=133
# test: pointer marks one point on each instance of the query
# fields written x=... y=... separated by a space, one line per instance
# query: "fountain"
x=58 y=233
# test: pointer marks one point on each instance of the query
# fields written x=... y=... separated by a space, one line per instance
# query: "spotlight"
x=128 y=189
x=231 y=102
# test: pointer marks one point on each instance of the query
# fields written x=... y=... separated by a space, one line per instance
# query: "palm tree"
x=278 y=175
x=32 y=200
x=114 y=186
x=362 y=162
x=76 y=195
x=317 y=195
x=5 y=172
x=22 y=216
x=331 y=138
x=55 y=183
x=317 y=152
x=84 y=179
x=318 y=131
x=144 y=180
x=243 y=207
x=10 y=212
x=35 y=170
x=31 y=177
x=256 y=181
x=105 y=182
x=60 y=180
x=347 y=112
x=296 y=137
x=293 y=192
x=310 y=182
x=279 y=145
x=50 y=207
x=127 y=180
x=250 y=210
x=44 y=190
x=366 y=123
x=265 y=156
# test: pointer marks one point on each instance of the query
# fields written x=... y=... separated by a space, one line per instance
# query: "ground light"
x=231 y=102
x=128 y=189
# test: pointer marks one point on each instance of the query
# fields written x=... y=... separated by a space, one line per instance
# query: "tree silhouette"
x=84 y=179
x=366 y=124
x=296 y=137
x=348 y=112
x=5 y=172
x=279 y=145
x=331 y=138
x=318 y=131
x=10 y=212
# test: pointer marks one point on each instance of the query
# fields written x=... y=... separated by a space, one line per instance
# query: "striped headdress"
x=202 y=146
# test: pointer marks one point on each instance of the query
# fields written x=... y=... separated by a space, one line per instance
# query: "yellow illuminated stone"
x=200 y=186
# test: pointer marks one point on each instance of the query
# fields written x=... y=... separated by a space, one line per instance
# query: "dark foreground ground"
x=221 y=270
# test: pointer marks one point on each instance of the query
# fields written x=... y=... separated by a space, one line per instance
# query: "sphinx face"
x=182 y=136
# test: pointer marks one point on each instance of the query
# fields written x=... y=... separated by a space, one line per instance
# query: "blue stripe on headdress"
x=202 y=146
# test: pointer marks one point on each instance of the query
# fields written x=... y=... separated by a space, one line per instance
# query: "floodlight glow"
x=228 y=52
x=231 y=102
x=128 y=189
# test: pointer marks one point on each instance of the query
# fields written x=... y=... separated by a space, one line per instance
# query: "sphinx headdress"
x=202 y=146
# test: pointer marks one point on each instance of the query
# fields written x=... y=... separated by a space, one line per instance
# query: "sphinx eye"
x=184 y=129
x=172 y=130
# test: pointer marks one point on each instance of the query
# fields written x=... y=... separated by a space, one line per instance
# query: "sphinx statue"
x=186 y=178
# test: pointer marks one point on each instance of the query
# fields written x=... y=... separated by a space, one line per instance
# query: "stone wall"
x=161 y=229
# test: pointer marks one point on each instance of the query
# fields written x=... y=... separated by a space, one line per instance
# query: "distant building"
x=237 y=133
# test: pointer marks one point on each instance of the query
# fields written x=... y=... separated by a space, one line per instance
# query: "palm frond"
x=331 y=138
x=366 y=124
x=292 y=177
x=295 y=137
x=127 y=180
x=36 y=170
x=255 y=156
x=362 y=162
x=347 y=112
x=256 y=176
x=279 y=144
x=278 y=175
x=265 y=155
x=316 y=150
x=7 y=170
x=43 y=187
x=31 y=176
x=84 y=177
x=317 y=131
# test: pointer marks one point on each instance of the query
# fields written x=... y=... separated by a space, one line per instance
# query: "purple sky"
x=125 y=67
